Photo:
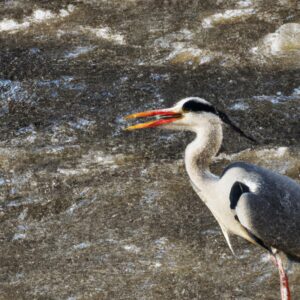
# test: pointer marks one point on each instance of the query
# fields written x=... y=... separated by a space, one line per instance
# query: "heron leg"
x=284 y=283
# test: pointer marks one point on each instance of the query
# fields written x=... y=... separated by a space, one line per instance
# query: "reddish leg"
x=284 y=282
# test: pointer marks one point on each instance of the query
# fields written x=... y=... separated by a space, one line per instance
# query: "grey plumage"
x=272 y=212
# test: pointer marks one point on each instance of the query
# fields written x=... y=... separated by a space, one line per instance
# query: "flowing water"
x=89 y=211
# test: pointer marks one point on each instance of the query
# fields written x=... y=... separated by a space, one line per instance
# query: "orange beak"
x=165 y=117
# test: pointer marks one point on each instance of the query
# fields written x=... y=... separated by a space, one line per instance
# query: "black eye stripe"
x=196 y=106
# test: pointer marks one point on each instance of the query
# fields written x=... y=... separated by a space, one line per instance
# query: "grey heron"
x=247 y=200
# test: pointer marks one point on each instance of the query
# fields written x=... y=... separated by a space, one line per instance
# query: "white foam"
x=104 y=159
x=254 y=50
x=38 y=16
x=19 y=275
x=91 y=160
x=239 y=106
x=65 y=82
x=106 y=33
x=159 y=77
x=132 y=248
x=19 y=236
x=27 y=129
x=228 y=17
x=78 y=51
x=22 y=216
x=26 y=201
x=161 y=242
x=296 y=91
x=275 y=99
x=150 y=195
x=82 y=124
x=210 y=232
x=12 y=91
x=41 y=15
x=75 y=206
x=167 y=41
x=12 y=25
x=81 y=246
x=22 y=227
x=245 y=254
x=66 y=12
x=265 y=258
x=245 y=3
x=72 y=172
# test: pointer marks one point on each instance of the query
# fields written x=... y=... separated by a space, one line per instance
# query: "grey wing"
x=273 y=216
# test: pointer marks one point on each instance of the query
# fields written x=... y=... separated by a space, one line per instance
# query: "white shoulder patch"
x=253 y=186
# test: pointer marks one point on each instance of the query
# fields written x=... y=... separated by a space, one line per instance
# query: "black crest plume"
x=226 y=120
x=198 y=107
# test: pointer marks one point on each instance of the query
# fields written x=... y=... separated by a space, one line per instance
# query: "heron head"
x=187 y=114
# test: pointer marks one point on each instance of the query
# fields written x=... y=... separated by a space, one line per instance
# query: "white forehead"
x=182 y=101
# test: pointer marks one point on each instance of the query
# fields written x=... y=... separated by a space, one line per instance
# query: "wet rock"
x=105 y=33
x=283 y=44
x=192 y=56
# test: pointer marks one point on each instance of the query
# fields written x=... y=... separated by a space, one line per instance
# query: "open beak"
x=163 y=116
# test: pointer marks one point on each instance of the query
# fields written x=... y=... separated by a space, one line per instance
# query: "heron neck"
x=199 y=153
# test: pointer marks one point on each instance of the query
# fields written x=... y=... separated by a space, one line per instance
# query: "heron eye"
x=196 y=106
